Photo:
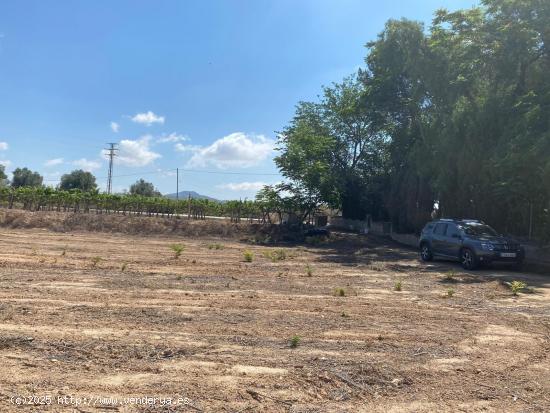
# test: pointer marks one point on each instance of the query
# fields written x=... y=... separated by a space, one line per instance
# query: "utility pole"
x=177 y=184
x=112 y=149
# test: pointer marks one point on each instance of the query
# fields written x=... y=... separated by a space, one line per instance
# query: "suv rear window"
x=440 y=229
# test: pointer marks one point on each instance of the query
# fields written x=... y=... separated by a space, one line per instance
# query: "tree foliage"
x=143 y=188
x=25 y=177
x=456 y=115
x=78 y=179
x=333 y=148
x=3 y=176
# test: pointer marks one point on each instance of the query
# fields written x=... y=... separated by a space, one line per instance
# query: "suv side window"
x=440 y=229
x=428 y=228
x=452 y=229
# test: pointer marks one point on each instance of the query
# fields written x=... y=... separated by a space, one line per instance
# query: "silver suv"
x=468 y=241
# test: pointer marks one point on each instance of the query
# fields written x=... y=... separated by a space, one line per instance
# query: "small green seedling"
x=309 y=270
x=248 y=256
x=344 y=314
x=516 y=286
x=215 y=246
x=123 y=267
x=295 y=341
x=178 y=249
x=95 y=261
x=277 y=255
x=340 y=292
x=450 y=292
x=450 y=275
x=398 y=285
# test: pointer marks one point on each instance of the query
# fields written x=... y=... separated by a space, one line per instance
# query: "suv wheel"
x=468 y=259
x=426 y=252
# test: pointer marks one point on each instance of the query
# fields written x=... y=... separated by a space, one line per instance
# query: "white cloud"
x=136 y=152
x=180 y=147
x=236 y=150
x=115 y=127
x=53 y=162
x=148 y=118
x=172 y=138
x=243 y=186
x=86 y=164
x=6 y=163
x=4 y=146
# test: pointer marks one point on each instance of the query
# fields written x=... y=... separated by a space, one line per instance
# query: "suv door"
x=438 y=239
x=453 y=241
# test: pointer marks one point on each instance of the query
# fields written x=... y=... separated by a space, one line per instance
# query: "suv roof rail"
x=460 y=220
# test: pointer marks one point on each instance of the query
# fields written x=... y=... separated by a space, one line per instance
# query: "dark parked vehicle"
x=468 y=241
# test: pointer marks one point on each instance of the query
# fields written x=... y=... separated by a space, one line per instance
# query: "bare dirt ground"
x=216 y=330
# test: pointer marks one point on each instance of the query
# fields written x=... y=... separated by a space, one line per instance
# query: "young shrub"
x=95 y=261
x=450 y=292
x=275 y=255
x=344 y=314
x=516 y=286
x=295 y=341
x=178 y=249
x=215 y=246
x=450 y=276
x=248 y=256
x=123 y=267
x=340 y=292
x=398 y=285
x=309 y=270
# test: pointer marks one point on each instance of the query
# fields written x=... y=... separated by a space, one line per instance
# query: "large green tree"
x=144 y=188
x=26 y=177
x=78 y=179
x=467 y=110
x=333 y=148
x=455 y=116
x=3 y=176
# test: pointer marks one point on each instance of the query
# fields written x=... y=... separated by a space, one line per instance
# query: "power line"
x=162 y=171
x=229 y=173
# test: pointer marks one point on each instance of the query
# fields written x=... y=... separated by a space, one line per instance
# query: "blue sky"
x=199 y=85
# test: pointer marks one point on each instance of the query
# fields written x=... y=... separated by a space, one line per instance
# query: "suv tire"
x=426 y=252
x=468 y=259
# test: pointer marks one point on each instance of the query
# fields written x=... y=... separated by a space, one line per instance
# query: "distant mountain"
x=193 y=194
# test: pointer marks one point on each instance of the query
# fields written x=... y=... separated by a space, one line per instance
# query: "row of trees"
x=453 y=120
x=24 y=177
x=77 y=179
